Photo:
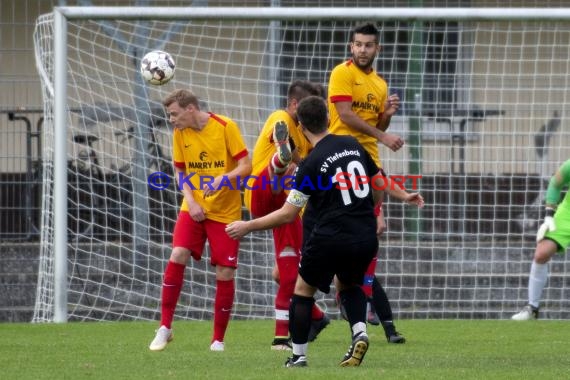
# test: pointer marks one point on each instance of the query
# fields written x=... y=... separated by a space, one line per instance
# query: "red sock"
x=369 y=277
x=225 y=291
x=278 y=166
x=281 y=323
x=288 y=269
x=171 y=286
x=316 y=313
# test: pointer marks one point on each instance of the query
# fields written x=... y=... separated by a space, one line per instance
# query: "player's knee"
x=225 y=273
x=544 y=251
x=542 y=258
x=303 y=289
x=180 y=255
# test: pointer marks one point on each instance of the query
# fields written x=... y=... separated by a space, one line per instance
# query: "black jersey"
x=340 y=203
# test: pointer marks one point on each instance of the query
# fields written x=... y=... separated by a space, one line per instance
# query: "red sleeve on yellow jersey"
x=218 y=119
x=341 y=98
x=240 y=155
x=208 y=153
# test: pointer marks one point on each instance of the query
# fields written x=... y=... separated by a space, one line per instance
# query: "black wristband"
x=549 y=211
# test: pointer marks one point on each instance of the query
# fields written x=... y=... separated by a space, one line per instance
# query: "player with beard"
x=360 y=106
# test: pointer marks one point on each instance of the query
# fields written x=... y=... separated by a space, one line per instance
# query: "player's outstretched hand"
x=237 y=230
x=392 y=104
x=415 y=199
x=394 y=142
x=546 y=226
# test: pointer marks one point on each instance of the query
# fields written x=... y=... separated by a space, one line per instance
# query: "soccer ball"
x=157 y=67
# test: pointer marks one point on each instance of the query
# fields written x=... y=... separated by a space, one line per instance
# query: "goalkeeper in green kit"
x=553 y=236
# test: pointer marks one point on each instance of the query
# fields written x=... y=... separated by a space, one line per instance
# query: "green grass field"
x=436 y=349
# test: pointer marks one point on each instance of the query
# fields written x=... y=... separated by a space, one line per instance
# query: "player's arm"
x=380 y=224
x=348 y=117
x=557 y=182
x=377 y=193
x=194 y=209
x=286 y=214
x=390 y=108
x=395 y=190
x=378 y=196
x=243 y=169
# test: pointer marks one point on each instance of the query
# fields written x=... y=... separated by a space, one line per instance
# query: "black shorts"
x=323 y=258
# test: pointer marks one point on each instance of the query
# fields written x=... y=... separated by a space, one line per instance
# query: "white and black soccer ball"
x=157 y=67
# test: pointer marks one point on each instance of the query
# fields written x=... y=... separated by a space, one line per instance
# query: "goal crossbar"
x=312 y=13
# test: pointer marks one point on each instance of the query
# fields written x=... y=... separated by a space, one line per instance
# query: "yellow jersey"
x=206 y=154
x=367 y=92
x=265 y=146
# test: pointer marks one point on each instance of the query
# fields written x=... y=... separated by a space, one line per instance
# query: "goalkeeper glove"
x=546 y=226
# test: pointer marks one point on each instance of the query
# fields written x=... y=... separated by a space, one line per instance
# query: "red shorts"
x=192 y=235
x=289 y=235
x=264 y=202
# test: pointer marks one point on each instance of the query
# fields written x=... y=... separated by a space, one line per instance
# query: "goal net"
x=483 y=116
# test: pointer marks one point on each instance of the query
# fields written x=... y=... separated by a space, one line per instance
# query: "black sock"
x=300 y=318
x=354 y=302
x=383 y=308
x=380 y=301
x=389 y=328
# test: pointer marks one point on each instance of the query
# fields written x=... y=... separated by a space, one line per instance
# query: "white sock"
x=358 y=328
x=536 y=282
x=300 y=349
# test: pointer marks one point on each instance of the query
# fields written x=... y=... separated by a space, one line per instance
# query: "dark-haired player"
x=360 y=106
x=278 y=149
x=342 y=240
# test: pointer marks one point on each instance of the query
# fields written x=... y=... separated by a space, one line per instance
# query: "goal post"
x=483 y=80
x=60 y=168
